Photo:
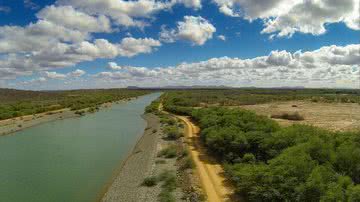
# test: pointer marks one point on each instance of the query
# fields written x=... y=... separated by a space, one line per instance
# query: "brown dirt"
x=210 y=172
x=333 y=116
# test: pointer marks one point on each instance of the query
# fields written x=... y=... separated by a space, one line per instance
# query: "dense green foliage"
x=270 y=163
x=267 y=162
x=153 y=107
x=18 y=103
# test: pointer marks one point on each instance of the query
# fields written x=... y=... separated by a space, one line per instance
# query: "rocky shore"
x=126 y=185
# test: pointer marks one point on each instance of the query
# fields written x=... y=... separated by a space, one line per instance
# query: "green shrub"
x=150 y=181
x=169 y=152
x=248 y=158
x=172 y=133
x=188 y=163
x=288 y=116
x=353 y=193
x=168 y=187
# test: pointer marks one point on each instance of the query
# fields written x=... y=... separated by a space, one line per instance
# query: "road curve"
x=210 y=172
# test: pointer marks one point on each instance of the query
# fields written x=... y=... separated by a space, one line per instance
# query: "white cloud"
x=196 y=4
x=130 y=46
x=195 y=29
x=326 y=66
x=285 y=17
x=54 y=75
x=77 y=73
x=222 y=37
x=62 y=55
x=68 y=17
x=114 y=66
x=127 y=13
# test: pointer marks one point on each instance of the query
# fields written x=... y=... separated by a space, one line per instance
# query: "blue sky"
x=242 y=28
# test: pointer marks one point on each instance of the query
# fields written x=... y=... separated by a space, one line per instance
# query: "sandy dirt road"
x=209 y=171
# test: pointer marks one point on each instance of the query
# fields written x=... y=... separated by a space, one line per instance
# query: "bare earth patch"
x=333 y=116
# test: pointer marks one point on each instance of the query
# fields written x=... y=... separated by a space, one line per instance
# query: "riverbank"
x=148 y=160
x=126 y=185
x=9 y=126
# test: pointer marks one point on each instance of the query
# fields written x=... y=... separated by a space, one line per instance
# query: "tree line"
x=16 y=103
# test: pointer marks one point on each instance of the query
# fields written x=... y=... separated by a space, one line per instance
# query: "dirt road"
x=210 y=172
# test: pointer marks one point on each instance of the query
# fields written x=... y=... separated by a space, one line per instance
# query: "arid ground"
x=333 y=116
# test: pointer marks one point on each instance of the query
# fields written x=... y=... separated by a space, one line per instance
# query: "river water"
x=72 y=159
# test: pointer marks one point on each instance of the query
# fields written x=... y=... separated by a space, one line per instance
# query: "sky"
x=72 y=44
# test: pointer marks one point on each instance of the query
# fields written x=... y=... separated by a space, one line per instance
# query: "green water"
x=69 y=160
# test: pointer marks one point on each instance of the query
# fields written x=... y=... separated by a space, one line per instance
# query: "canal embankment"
x=126 y=183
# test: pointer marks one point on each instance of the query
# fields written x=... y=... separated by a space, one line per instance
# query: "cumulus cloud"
x=286 y=17
x=114 y=66
x=63 y=35
x=327 y=65
x=195 y=29
x=62 y=55
x=127 y=13
x=55 y=75
x=70 y=18
x=196 y=4
x=222 y=37
x=77 y=73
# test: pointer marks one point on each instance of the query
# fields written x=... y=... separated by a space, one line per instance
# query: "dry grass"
x=333 y=116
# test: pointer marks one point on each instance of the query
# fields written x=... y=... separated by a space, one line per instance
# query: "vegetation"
x=150 y=181
x=288 y=116
x=16 y=103
x=267 y=162
x=153 y=107
x=180 y=101
x=172 y=132
x=168 y=152
x=168 y=187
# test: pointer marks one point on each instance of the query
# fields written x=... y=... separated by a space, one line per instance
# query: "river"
x=72 y=159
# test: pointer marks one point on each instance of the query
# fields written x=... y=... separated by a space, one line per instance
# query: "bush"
x=168 y=186
x=80 y=113
x=169 y=152
x=288 y=116
x=188 y=163
x=150 y=181
x=354 y=193
x=172 y=133
x=248 y=158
